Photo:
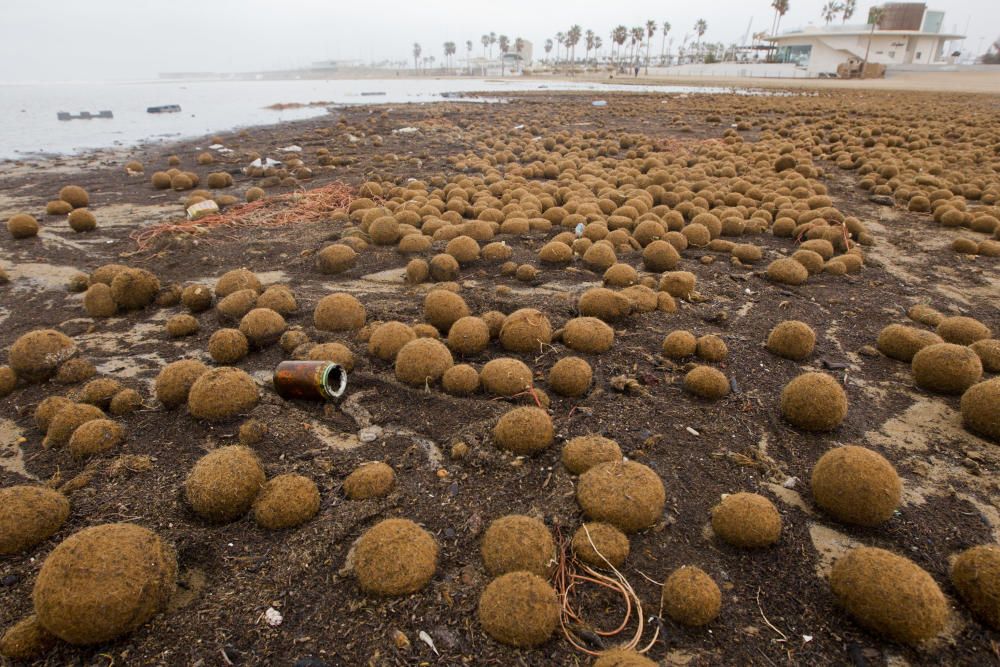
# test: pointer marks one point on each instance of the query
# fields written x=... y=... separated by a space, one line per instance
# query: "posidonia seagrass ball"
x=588 y=335
x=104 y=582
x=339 y=312
x=223 y=484
x=889 y=594
x=388 y=339
x=962 y=330
x=814 y=402
x=583 y=452
x=525 y=330
x=443 y=308
x=747 y=520
x=395 y=557
x=626 y=494
x=286 y=501
x=29 y=515
x=372 y=479
x=518 y=543
x=175 y=379
x=524 y=431
x=946 y=368
x=235 y=280
x=75 y=196
x=856 y=485
x=620 y=657
x=600 y=544
x=792 y=339
x=519 y=609
x=505 y=376
x=900 y=342
x=981 y=409
x=222 y=393
x=706 y=382
x=26 y=640
x=37 y=355
x=423 y=361
x=975 y=574
x=570 y=376
x=22 y=226
x=691 y=597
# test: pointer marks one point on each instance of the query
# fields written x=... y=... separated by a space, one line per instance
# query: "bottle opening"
x=334 y=381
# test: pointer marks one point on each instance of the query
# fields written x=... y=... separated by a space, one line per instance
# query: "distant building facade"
x=907 y=34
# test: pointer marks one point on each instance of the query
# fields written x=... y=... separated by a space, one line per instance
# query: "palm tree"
x=572 y=39
x=780 y=9
x=485 y=39
x=699 y=27
x=874 y=17
x=650 y=31
x=589 y=35
x=560 y=39
x=830 y=11
x=449 y=51
x=618 y=36
x=468 y=55
x=548 y=47
x=663 y=40
x=597 y=47
x=416 y=55
x=504 y=48
x=848 y=9
x=493 y=40
x=637 y=33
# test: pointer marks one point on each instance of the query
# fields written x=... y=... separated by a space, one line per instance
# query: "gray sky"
x=73 y=40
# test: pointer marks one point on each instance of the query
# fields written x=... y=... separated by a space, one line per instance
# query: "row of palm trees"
x=845 y=9
x=631 y=43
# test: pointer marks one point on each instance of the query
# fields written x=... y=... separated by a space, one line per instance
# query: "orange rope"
x=286 y=209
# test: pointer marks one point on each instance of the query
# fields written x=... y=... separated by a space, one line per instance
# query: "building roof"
x=854 y=30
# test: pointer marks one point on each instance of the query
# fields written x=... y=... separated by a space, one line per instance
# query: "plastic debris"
x=273 y=617
x=202 y=209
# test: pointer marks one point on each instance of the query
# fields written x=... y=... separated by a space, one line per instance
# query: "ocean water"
x=29 y=127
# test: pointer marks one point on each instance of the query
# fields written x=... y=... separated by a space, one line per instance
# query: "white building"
x=907 y=34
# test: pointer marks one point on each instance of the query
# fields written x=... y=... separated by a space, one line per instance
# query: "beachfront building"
x=907 y=34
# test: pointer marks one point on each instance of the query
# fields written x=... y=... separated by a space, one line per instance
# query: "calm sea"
x=28 y=123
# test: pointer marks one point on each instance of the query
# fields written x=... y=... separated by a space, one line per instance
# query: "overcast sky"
x=72 y=40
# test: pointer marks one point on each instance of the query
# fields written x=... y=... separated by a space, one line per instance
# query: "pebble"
x=370 y=433
x=10 y=580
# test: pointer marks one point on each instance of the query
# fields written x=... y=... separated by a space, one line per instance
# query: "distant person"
x=637 y=71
